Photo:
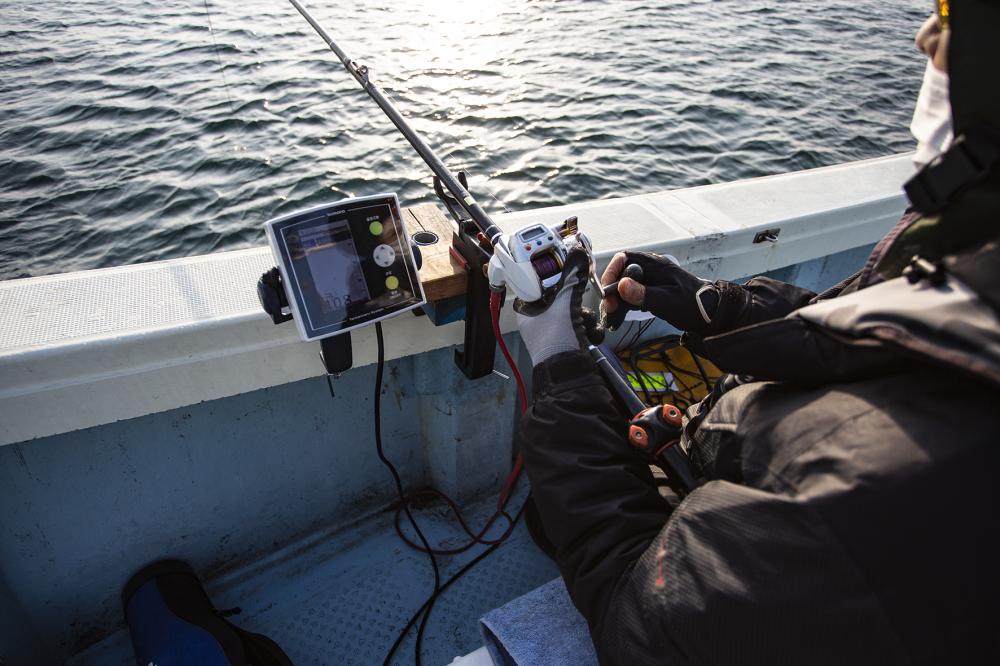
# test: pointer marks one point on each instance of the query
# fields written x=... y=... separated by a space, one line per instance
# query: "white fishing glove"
x=560 y=324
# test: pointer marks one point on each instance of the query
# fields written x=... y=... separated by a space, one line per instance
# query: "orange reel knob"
x=637 y=437
x=671 y=415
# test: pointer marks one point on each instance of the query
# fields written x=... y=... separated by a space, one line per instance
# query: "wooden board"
x=441 y=275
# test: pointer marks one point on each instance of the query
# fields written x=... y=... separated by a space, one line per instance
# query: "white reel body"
x=530 y=260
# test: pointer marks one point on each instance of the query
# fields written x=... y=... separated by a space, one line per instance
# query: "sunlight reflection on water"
x=123 y=140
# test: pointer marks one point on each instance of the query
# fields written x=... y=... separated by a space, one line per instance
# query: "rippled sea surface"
x=138 y=130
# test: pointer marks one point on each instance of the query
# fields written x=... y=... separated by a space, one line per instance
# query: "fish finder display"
x=345 y=264
x=333 y=262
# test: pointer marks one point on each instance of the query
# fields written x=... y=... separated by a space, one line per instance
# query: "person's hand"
x=932 y=40
x=560 y=323
x=666 y=290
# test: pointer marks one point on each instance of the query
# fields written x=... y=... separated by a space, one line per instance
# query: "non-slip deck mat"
x=344 y=599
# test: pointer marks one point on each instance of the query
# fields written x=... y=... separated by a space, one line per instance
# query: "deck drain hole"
x=425 y=238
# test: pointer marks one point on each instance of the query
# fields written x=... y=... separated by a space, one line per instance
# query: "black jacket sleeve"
x=597 y=501
x=724 y=579
x=759 y=299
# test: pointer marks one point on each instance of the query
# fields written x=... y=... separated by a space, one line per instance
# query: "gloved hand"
x=666 y=290
x=560 y=323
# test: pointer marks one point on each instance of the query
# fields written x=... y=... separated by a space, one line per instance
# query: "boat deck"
x=342 y=598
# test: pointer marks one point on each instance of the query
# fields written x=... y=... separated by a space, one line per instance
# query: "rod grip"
x=617 y=383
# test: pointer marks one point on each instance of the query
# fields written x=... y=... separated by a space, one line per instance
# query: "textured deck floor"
x=343 y=599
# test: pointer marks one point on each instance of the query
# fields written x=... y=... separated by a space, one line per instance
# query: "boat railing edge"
x=220 y=344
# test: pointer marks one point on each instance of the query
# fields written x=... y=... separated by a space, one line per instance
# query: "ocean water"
x=139 y=130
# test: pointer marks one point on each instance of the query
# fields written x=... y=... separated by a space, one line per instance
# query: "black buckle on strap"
x=924 y=269
x=969 y=159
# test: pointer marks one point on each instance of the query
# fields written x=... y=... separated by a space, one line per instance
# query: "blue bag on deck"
x=172 y=622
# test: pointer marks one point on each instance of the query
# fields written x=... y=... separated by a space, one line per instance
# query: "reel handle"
x=632 y=271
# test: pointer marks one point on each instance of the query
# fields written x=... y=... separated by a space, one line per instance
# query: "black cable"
x=657 y=350
x=425 y=609
x=685 y=391
x=633 y=350
x=701 y=369
x=621 y=341
x=380 y=366
x=458 y=574
x=643 y=328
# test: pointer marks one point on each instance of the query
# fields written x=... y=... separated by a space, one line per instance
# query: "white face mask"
x=931 y=123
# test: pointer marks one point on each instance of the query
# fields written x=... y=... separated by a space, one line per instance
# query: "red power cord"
x=522 y=393
x=508 y=485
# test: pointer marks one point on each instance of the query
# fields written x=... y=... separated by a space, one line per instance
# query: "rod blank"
x=360 y=73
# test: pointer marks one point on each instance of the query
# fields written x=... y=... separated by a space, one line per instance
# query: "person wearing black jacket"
x=850 y=462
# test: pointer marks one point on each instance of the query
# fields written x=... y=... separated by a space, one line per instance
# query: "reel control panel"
x=345 y=264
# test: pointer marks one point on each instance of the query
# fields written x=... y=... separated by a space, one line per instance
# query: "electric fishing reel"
x=530 y=260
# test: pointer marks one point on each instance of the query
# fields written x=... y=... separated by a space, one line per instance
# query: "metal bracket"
x=475 y=359
x=271 y=294
x=767 y=236
x=337 y=353
x=446 y=197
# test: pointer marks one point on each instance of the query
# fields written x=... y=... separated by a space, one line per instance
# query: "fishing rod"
x=362 y=75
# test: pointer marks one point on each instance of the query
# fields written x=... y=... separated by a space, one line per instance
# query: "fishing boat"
x=155 y=411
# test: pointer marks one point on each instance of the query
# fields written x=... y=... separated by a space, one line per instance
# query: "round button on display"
x=384 y=255
x=376 y=228
x=391 y=282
